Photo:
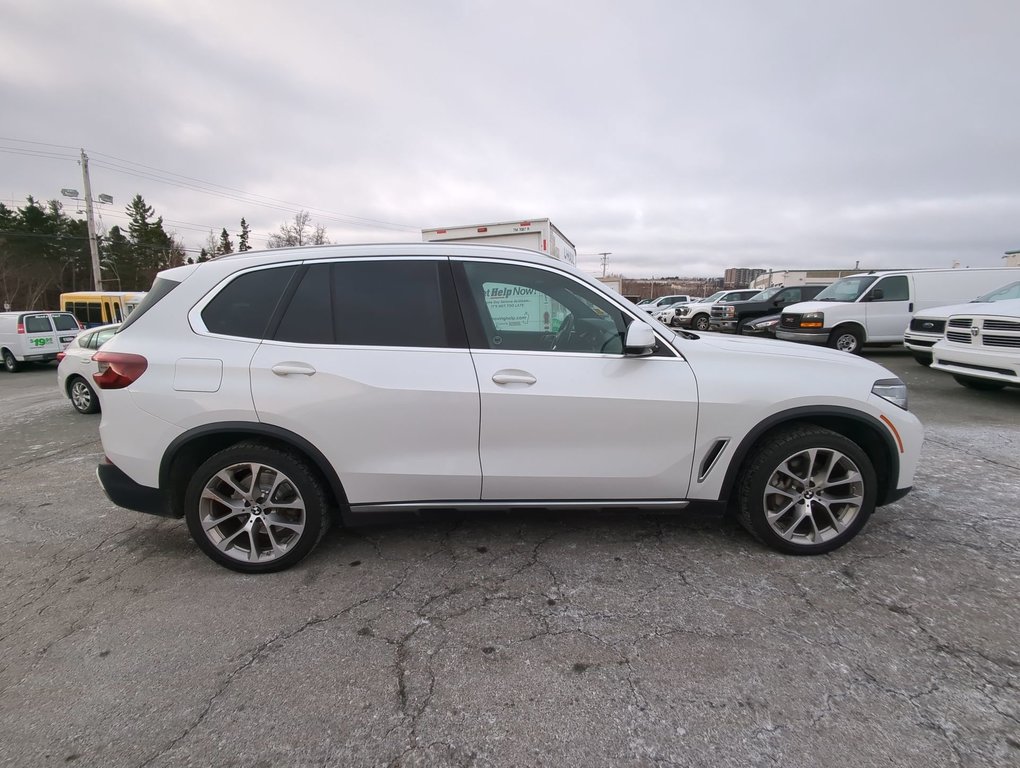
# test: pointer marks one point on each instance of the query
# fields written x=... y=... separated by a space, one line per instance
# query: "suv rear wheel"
x=256 y=509
x=10 y=362
x=808 y=490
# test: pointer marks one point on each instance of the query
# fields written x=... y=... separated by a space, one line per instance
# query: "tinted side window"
x=85 y=341
x=894 y=288
x=389 y=303
x=37 y=324
x=308 y=318
x=790 y=294
x=65 y=323
x=245 y=306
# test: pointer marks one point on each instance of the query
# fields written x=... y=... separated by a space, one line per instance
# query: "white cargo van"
x=34 y=336
x=876 y=307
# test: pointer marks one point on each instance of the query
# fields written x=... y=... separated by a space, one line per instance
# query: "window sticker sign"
x=518 y=308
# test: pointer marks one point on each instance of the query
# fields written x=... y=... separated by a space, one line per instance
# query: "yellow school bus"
x=94 y=308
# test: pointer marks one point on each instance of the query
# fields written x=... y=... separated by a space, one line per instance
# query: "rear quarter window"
x=246 y=304
x=160 y=288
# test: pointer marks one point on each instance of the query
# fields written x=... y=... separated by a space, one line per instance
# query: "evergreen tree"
x=224 y=246
x=242 y=241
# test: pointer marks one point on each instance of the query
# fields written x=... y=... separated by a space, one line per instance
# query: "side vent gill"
x=712 y=457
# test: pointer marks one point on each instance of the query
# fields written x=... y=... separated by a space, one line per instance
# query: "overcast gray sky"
x=683 y=137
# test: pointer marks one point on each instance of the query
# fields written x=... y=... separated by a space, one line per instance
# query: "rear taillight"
x=118 y=369
x=61 y=356
x=21 y=328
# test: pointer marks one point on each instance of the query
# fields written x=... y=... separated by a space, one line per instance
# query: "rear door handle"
x=289 y=369
x=511 y=376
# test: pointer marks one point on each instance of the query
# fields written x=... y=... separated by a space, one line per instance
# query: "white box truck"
x=874 y=308
x=535 y=234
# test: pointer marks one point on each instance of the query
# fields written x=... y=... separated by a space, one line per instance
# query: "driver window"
x=530 y=309
x=894 y=288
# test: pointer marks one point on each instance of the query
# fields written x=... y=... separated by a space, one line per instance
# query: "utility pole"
x=605 y=260
x=97 y=276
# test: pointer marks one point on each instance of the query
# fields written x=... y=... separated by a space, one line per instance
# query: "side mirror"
x=640 y=339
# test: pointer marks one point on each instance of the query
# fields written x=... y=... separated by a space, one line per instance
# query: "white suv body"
x=520 y=382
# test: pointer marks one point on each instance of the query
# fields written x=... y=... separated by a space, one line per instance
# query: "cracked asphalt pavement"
x=539 y=639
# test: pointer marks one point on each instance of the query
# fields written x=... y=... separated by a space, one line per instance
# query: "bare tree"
x=300 y=232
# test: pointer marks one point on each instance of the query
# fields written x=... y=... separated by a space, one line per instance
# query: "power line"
x=198 y=185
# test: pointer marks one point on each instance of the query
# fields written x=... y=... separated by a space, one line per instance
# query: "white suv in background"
x=259 y=394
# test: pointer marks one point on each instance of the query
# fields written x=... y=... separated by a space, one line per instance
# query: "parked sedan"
x=75 y=369
x=763 y=326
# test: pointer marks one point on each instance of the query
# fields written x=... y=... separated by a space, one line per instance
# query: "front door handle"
x=513 y=376
x=289 y=369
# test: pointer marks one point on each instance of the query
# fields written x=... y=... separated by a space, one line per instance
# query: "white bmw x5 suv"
x=261 y=395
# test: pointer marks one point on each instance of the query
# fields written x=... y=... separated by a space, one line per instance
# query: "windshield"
x=847 y=289
x=713 y=297
x=1011 y=291
x=768 y=293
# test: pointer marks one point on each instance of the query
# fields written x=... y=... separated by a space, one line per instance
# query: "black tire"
x=83 y=396
x=923 y=358
x=847 y=340
x=701 y=322
x=299 y=485
x=10 y=363
x=807 y=513
x=981 y=385
x=741 y=327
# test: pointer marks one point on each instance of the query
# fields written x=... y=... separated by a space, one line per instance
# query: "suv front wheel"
x=256 y=509
x=808 y=490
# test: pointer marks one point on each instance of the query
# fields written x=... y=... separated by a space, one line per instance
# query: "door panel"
x=565 y=414
x=887 y=318
x=589 y=427
x=396 y=424
x=368 y=361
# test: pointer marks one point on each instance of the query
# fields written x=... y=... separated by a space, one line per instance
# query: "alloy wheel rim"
x=252 y=512
x=80 y=395
x=813 y=496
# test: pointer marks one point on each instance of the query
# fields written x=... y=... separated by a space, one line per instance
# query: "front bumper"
x=722 y=325
x=804 y=337
x=125 y=492
x=917 y=342
x=978 y=363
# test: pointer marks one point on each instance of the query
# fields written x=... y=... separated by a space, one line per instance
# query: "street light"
x=97 y=276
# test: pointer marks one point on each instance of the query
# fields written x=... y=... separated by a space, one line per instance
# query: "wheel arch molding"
x=190 y=449
x=862 y=428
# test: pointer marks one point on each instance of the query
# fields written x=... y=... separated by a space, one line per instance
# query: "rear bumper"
x=125 y=492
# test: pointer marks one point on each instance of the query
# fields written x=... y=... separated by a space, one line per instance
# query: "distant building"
x=739 y=277
x=801 y=276
x=654 y=287
x=1012 y=258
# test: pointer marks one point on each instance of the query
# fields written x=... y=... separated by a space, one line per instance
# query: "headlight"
x=729 y=312
x=683 y=310
x=813 y=320
x=893 y=390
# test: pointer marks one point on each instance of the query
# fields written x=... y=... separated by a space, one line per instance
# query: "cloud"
x=683 y=137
